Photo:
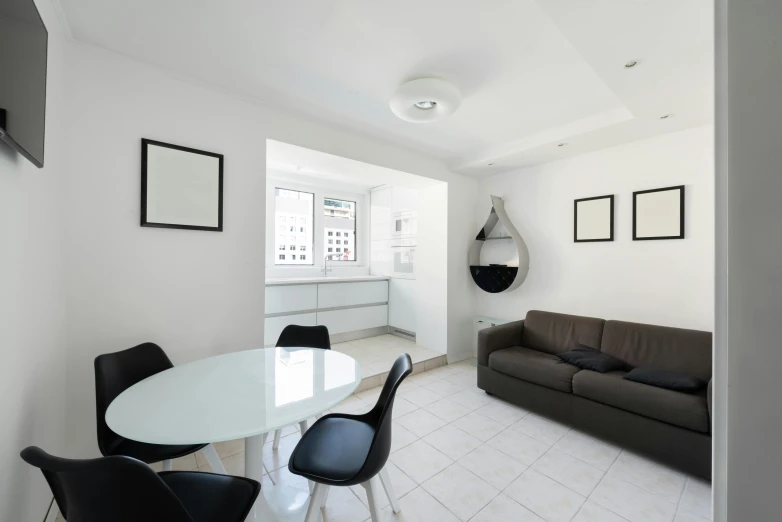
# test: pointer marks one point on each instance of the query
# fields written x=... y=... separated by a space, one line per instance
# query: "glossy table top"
x=233 y=396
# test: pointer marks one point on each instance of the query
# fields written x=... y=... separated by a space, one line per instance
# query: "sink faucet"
x=326 y=268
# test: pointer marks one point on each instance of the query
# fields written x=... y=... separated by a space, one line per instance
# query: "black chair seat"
x=210 y=497
x=150 y=453
x=333 y=450
x=123 y=489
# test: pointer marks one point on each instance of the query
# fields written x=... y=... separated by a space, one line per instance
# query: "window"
x=331 y=241
x=331 y=249
x=340 y=221
x=292 y=207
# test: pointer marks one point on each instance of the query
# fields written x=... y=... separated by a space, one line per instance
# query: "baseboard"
x=404 y=334
x=358 y=334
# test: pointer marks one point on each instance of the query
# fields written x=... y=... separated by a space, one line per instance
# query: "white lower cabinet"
x=341 y=306
x=352 y=319
x=402 y=311
x=273 y=326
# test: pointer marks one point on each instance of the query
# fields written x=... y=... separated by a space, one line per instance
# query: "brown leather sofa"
x=517 y=362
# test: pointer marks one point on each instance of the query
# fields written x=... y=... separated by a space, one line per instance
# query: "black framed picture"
x=181 y=187
x=593 y=219
x=658 y=214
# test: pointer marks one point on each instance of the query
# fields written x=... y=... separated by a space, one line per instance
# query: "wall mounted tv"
x=23 y=45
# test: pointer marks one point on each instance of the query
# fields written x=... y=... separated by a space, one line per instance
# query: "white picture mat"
x=183 y=188
x=658 y=214
x=593 y=219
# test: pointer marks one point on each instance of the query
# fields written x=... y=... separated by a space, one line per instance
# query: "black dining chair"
x=345 y=450
x=123 y=489
x=115 y=373
x=296 y=336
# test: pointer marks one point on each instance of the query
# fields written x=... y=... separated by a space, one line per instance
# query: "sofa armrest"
x=497 y=338
x=709 y=398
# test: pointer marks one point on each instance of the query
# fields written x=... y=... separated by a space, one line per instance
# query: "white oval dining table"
x=237 y=395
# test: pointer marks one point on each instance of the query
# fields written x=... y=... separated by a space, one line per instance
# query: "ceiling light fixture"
x=631 y=64
x=666 y=116
x=425 y=100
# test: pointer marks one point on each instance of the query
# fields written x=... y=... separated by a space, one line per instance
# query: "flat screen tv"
x=23 y=45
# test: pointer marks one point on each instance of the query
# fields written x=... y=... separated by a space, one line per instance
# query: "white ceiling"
x=533 y=73
x=303 y=165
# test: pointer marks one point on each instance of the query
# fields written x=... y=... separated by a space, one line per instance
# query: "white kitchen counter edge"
x=322 y=280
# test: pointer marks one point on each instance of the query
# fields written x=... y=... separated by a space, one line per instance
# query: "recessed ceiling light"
x=631 y=64
x=562 y=145
x=666 y=116
x=490 y=164
x=426 y=105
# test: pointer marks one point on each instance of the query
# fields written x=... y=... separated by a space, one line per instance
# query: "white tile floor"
x=377 y=354
x=461 y=455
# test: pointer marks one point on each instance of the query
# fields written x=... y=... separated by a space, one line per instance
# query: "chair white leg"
x=316 y=502
x=372 y=486
x=168 y=465
x=303 y=427
x=326 y=496
x=386 y=481
x=213 y=459
x=277 y=435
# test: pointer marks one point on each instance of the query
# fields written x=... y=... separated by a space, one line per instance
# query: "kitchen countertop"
x=279 y=281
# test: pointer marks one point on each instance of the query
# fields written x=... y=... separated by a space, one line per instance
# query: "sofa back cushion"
x=660 y=347
x=555 y=333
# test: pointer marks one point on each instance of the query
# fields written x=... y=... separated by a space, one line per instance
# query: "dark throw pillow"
x=668 y=380
x=588 y=358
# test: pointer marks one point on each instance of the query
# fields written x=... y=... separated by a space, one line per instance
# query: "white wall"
x=32 y=305
x=195 y=293
x=667 y=282
x=432 y=291
x=747 y=350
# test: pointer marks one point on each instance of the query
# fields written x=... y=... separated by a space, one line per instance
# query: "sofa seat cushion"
x=534 y=366
x=680 y=409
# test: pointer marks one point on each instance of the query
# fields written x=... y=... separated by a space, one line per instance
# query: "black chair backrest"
x=294 y=335
x=120 y=489
x=380 y=417
x=115 y=373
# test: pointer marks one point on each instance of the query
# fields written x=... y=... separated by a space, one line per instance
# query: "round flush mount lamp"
x=425 y=100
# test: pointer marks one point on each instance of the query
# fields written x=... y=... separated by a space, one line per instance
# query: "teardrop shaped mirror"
x=499 y=259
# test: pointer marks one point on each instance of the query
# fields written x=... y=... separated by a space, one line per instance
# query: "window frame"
x=281 y=186
x=316 y=254
x=338 y=234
